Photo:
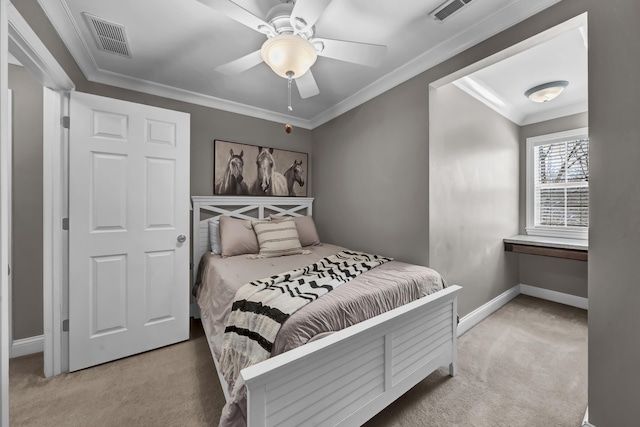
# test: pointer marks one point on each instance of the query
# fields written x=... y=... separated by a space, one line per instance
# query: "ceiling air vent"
x=448 y=8
x=109 y=36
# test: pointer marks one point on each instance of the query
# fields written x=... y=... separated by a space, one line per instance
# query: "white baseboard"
x=481 y=313
x=554 y=296
x=585 y=420
x=25 y=346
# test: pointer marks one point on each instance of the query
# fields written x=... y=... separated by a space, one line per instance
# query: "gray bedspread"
x=381 y=289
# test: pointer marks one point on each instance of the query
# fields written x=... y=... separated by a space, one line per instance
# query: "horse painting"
x=294 y=174
x=268 y=182
x=233 y=182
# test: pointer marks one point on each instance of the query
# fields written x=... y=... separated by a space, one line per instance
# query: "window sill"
x=548 y=246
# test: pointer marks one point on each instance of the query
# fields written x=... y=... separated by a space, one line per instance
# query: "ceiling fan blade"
x=307 y=86
x=306 y=12
x=241 y=64
x=359 y=53
x=237 y=13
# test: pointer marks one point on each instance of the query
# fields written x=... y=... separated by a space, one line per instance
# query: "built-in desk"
x=548 y=246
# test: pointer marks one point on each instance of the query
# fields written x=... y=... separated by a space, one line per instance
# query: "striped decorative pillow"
x=277 y=238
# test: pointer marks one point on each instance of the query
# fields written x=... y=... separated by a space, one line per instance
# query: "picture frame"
x=252 y=170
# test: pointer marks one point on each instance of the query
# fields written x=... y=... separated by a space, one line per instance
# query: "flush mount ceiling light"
x=547 y=91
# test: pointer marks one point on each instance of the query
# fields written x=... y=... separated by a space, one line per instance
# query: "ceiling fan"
x=291 y=47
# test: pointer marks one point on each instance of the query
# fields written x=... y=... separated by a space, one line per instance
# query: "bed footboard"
x=351 y=375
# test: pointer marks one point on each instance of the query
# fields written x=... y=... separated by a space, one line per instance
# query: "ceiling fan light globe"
x=288 y=53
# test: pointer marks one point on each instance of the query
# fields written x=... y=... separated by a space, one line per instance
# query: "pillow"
x=237 y=237
x=277 y=238
x=214 y=235
x=306 y=229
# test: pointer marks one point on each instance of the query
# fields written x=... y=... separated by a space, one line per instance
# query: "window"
x=558 y=184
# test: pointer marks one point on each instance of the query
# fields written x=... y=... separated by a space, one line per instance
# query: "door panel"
x=128 y=203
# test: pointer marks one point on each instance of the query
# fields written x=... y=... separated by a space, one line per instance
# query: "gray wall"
x=561 y=275
x=371 y=176
x=207 y=124
x=614 y=192
x=473 y=196
x=396 y=124
x=26 y=272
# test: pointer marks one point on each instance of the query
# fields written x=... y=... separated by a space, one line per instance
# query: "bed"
x=348 y=376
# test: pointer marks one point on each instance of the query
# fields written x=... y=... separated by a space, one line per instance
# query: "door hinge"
x=66 y=122
x=65 y=223
x=65 y=325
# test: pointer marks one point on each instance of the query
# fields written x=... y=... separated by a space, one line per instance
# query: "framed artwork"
x=250 y=170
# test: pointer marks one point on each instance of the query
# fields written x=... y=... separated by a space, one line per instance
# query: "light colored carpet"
x=526 y=365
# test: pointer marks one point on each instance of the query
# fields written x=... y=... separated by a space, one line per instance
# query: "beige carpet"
x=526 y=365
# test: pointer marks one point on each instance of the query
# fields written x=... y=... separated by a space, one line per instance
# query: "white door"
x=128 y=228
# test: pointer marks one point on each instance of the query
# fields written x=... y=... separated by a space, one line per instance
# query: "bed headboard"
x=207 y=207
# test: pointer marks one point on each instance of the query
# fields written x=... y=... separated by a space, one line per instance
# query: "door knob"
x=182 y=238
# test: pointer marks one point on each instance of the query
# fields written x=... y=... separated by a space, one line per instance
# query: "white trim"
x=13 y=60
x=25 y=45
x=585 y=420
x=10 y=213
x=4 y=214
x=36 y=58
x=550 y=114
x=531 y=228
x=481 y=313
x=55 y=240
x=559 y=297
x=484 y=94
x=61 y=18
x=25 y=346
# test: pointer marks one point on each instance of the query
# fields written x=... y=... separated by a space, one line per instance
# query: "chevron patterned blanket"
x=262 y=306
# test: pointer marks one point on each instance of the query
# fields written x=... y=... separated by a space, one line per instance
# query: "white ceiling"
x=502 y=85
x=177 y=44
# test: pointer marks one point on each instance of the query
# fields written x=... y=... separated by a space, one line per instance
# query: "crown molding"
x=157 y=89
x=516 y=117
x=504 y=110
x=62 y=20
x=492 y=25
x=30 y=52
x=578 y=107
x=13 y=60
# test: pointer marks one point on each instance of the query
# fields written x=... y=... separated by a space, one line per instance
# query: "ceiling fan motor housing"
x=280 y=18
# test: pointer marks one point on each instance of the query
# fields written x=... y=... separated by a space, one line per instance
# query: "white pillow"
x=214 y=235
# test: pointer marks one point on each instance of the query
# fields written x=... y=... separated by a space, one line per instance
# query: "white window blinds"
x=561 y=184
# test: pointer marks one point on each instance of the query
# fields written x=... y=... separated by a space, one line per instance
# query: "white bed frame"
x=349 y=376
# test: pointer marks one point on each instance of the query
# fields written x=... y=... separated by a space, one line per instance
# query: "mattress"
x=384 y=288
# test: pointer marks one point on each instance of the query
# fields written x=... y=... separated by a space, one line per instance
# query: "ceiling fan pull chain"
x=289 y=79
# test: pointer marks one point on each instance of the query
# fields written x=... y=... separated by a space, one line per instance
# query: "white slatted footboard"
x=348 y=377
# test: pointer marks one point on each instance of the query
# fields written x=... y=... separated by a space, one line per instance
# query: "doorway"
x=26 y=212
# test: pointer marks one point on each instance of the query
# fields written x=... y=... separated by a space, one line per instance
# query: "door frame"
x=4 y=209
x=26 y=46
